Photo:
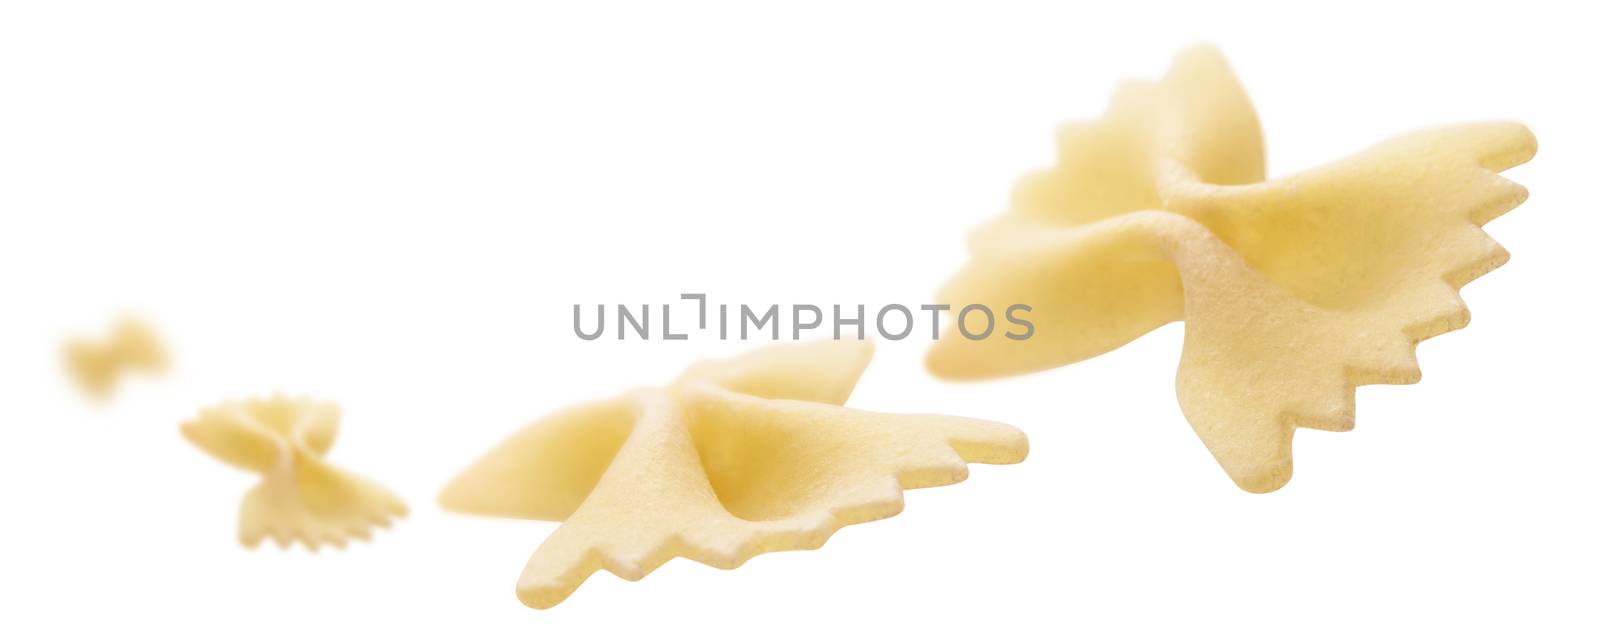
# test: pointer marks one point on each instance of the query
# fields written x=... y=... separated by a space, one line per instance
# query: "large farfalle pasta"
x=735 y=458
x=301 y=496
x=1293 y=291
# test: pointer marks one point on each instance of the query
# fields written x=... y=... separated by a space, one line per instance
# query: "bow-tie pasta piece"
x=301 y=496
x=735 y=458
x=1293 y=291
x=97 y=365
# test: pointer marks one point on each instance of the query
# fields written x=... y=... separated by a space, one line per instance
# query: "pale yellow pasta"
x=735 y=458
x=301 y=496
x=97 y=365
x=1293 y=291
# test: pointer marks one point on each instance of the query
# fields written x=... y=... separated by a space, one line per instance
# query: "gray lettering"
x=816 y=313
x=642 y=326
x=599 y=327
x=747 y=317
x=884 y=332
x=1012 y=318
x=702 y=298
x=838 y=321
x=934 y=309
x=961 y=321
x=666 y=325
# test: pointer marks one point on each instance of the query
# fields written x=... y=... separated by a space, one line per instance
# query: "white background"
x=394 y=205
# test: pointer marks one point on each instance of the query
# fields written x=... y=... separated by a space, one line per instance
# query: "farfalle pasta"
x=1293 y=291
x=735 y=458
x=97 y=365
x=301 y=497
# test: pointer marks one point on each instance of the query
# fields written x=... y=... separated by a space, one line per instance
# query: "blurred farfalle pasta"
x=301 y=497
x=97 y=365
x=735 y=458
x=1292 y=291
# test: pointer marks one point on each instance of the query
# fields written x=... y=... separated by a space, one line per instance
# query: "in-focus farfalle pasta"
x=96 y=365
x=735 y=458
x=301 y=497
x=1293 y=291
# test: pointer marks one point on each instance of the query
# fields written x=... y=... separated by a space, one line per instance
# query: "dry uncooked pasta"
x=735 y=458
x=97 y=365
x=1293 y=291
x=301 y=496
